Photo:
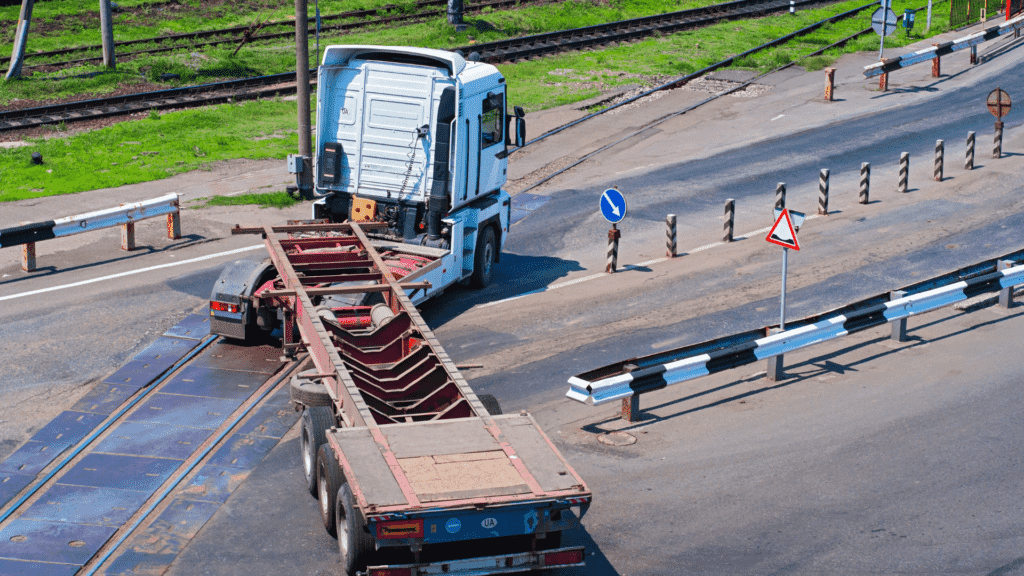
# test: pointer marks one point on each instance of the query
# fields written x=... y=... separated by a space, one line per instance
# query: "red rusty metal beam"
x=328 y=290
x=308 y=228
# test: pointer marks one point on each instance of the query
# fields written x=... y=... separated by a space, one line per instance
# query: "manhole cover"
x=617 y=439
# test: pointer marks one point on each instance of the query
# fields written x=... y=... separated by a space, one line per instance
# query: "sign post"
x=613 y=208
x=999 y=104
x=783 y=233
x=884 y=22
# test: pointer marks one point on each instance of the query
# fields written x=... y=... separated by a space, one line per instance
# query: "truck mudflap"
x=501 y=564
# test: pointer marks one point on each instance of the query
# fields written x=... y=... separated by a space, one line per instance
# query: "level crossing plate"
x=613 y=205
x=889 y=23
x=782 y=233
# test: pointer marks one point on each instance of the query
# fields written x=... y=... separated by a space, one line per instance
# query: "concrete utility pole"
x=20 y=40
x=107 y=31
x=302 y=93
x=455 y=15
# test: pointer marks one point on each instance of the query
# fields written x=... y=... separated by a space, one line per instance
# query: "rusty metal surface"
x=194 y=326
x=153 y=439
x=86 y=505
x=58 y=542
x=998 y=103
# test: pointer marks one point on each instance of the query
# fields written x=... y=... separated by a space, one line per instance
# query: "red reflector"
x=223 y=306
x=562 y=558
x=390 y=572
x=397 y=529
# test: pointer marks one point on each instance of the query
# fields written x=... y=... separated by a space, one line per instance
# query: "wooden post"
x=20 y=40
x=128 y=236
x=28 y=257
x=107 y=32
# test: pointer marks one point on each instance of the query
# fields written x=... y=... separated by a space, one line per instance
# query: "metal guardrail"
x=628 y=379
x=124 y=216
x=939 y=50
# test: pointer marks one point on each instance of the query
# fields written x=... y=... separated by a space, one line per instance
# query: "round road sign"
x=613 y=205
x=998 y=103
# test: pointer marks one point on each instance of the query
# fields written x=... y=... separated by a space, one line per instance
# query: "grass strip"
x=264 y=200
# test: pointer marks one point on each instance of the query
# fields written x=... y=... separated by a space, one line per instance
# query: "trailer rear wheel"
x=308 y=392
x=354 y=543
x=315 y=422
x=491 y=403
x=483 y=260
x=329 y=479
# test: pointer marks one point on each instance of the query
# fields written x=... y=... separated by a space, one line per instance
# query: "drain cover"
x=617 y=439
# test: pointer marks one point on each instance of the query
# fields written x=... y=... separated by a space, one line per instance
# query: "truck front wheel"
x=354 y=543
x=315 y=422
x=483 y=260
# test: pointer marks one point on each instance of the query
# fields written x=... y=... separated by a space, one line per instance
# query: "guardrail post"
x=865 y=181
x=1006 y=294
x=613 y=249
x=730 y=217
x=940 y=150
x=830 y=83
x=997 y=149
x=780 y=195
x=883 y=81
x=670 y=235
x=174 y=224
x=904 y=171
x=969 y=155
x=823 y=192
x=28 y=257
x=631 y=408
x=899 y=327
x=936 y=66
x=128 y=236
x=974 y=54
x=775 y=363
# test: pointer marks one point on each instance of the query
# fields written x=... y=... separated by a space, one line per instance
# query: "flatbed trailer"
x=398 y=448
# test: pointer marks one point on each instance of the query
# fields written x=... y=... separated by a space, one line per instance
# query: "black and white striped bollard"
x=780 y=195
x=823 y=192
x=613 y=249
x=940 y=151
x=904 y=171
x=865 y=181
x=969 y=155
x=730 y=217
x=670 y=235
x=997 y=150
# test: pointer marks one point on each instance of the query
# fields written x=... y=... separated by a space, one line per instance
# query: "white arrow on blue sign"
x=613 y=205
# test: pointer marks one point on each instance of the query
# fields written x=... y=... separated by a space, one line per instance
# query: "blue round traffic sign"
x=613 y=205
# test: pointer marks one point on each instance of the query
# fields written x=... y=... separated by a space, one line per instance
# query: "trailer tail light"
x=223 y=307
x=398 y=529
x=563 y=558
x=389 y=572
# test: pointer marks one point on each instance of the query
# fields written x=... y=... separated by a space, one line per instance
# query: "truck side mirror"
x=520 y=131
x=520 y=113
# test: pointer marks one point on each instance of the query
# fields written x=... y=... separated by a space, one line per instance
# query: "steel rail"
x=502 y=51
x=181 y=474
x=110 y=421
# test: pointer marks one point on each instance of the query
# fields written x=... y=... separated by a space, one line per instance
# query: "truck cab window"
x=492 y=123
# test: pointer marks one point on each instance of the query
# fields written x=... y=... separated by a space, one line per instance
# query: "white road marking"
x=777 y=117
x=131 y=272
x=624 y=268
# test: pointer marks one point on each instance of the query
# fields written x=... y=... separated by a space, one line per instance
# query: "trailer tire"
x=490 y=403
x=329 y=479
x=354 y=543
x=308 y=392
x=484 y=258
x=315 y=422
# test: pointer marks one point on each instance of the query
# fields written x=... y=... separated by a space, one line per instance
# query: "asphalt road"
x=872 y=458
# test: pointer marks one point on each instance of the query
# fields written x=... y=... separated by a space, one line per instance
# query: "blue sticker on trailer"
x=449 y=526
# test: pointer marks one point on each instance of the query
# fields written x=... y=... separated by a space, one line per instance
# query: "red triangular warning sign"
x=782 y=232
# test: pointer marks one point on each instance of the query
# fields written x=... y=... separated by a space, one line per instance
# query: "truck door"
x=485 y=124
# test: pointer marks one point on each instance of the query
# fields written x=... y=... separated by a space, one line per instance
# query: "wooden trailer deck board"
x=543 y=462
x=372 y=474
x=462 y=436
x=459 y=476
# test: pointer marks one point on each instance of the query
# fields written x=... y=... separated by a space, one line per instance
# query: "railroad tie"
x=823 y=192
x=969 y=155
x=904 y=171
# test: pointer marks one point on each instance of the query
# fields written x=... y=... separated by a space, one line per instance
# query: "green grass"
x=151 y=148
x=264 y=200
x=148 y=149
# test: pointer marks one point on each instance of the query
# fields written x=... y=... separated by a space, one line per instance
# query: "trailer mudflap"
x=501 y=564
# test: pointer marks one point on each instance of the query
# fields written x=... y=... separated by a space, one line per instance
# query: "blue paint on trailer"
x=86 y=505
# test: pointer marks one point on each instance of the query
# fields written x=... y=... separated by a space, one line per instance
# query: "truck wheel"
x=483 y=260
x=354 y=543
x=329 y=478
x=491 y=403
x=308 y=392
x=315 y=422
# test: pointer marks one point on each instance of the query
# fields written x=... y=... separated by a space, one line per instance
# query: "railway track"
x=235 y=35
x=494 y=52
x=140 y=457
